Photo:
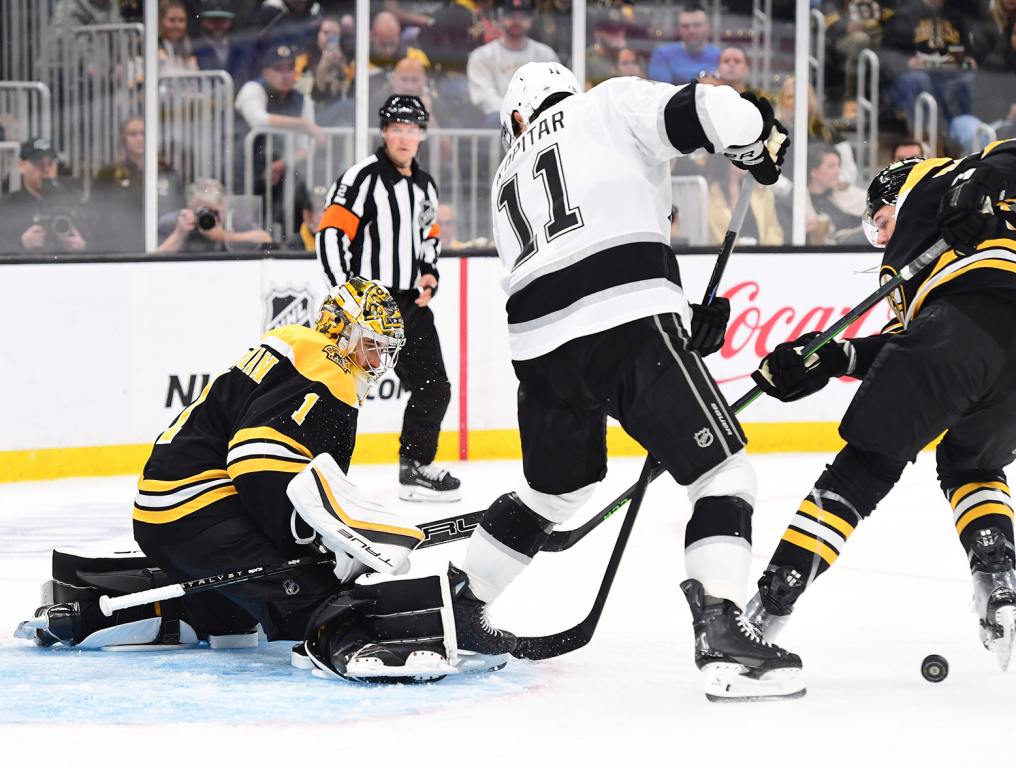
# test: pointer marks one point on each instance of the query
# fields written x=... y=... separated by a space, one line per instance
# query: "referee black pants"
x=421 y=370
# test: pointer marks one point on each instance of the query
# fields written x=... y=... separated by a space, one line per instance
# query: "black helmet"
x=885 y=187
x=403 y=109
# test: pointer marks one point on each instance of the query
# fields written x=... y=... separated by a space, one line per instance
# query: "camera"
x=59 y=221
x=207 y=218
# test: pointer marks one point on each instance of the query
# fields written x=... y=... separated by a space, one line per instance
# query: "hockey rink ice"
x=900 y=592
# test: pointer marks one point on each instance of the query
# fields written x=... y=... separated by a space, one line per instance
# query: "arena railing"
x=10 y=179
x=24 y=48
x=691 y=198
x=984 y=134
x=817 y=56
x=866 y=140
x=761 y=51
x=926 y=121
x=196 y=113
x=30 y=104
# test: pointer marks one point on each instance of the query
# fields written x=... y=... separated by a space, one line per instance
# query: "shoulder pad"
x=315 y=357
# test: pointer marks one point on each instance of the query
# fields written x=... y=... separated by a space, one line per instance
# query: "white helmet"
x=530 y=86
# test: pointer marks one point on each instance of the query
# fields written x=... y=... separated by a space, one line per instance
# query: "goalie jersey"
x=251 y=429
x=581 y=206
x=991 y=267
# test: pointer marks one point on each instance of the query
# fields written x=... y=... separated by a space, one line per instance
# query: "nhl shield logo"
x=289 y=306
x=704 y=437
x=427 y=214
x=290 y=587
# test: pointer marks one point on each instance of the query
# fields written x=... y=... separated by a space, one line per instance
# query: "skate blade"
x=1005 y=618
x=26 y=629
x=420 y=667
x=416 y=493
x=471 y=663
x=729 y=682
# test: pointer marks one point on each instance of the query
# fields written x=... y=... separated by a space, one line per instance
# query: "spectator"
x=608 y=40
x=271 y=101
x=629 y=64
x=175 y=54
x=386 y=48
x=459 y=28
x=407 y=17
x=834 y=212
x=818 y=130
x=198 y=228
x=679 y=62
x=326 y=77
x=760 y=227
x=409 y=78
x=68 y=14
x=732 y=68
x=926 y=47
x=906 y=148
x=448 y=235
x=44 y=215
x=310 y=214
x=552 y=26
x=1003 y=12
x=216 y=47
x=119 y=191
x=285 y=23
x=490 y=67
x=851 y=26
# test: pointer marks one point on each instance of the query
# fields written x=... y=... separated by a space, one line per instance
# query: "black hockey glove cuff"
x=708 y=326
x=966 y=215
x=787 y=376
x=764 y=157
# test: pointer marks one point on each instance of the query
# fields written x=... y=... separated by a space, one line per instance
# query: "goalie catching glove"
x=763 y=157
x=359 y=531
x=786 y=375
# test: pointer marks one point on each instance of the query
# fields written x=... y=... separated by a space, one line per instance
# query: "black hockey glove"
x=708 y=326
x=763 y=158
x=966 y=215
x=785 y=375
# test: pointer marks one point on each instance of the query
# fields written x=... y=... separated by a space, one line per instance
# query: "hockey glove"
x=762 y=158
x=787 y=376
x=966 y=215
x=708 y=326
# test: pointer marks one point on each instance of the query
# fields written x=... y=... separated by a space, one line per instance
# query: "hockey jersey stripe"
x=145 y=515
x=166 y=500
x=263 y=448
x=168 y=486
x=247 y=466
x=270 y=435
x=992 y=257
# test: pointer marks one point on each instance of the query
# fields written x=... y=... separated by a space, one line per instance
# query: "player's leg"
x=421 y=370
x=564 y=454
x=922 y=382
x=666 y=399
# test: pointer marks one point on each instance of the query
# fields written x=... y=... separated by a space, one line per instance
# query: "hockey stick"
x=571 y=639
x=911 y=269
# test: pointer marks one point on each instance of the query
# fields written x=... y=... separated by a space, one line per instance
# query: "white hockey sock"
x=490 y=565
x=722 y=565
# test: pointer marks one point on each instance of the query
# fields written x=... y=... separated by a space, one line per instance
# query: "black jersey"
x=251 y=429
x=992 y=267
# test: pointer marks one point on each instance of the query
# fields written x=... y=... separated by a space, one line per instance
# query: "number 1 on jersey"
x=308 y=402
x=563 y=217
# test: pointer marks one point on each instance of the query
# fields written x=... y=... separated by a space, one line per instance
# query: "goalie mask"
x=885 y=190
x=366 y=325
x=530 y=86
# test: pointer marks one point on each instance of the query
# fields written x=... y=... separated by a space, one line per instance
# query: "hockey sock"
x=978 y=505
x=503 y=544
x=717 y=546
x=844 y=494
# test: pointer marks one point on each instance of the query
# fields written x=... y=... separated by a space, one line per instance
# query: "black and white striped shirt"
x=380 y=225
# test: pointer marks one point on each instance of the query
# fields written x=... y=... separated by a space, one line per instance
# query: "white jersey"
x=581 y=209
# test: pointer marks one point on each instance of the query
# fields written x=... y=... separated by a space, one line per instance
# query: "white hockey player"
x=599 y=325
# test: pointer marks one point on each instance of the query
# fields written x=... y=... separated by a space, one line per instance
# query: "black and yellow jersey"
x=992 y=267
x=252 y=428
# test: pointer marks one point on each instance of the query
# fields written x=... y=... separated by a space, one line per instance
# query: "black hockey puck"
x=935 y=668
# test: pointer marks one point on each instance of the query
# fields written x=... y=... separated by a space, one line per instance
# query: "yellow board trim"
x=267 y=433
x=156 y=486
x=824 y=551
x=960 y=493
x=413 y=533
x=255 y=464
x=981 y=511
x=811 y=509
x=169 y=515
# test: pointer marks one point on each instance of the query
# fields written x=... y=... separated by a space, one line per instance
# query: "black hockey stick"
x=911 y=269
x=573 y=638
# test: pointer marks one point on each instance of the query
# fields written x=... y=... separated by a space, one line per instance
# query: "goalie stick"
x=571 y=639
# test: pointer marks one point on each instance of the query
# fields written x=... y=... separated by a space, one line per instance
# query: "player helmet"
x=403 y=109
x=530 y=86
x=362 y=314
x=885 y=190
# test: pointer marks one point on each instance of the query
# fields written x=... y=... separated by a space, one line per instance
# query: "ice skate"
x=738 y=665
x=480 y=646
x=426 y=482
x=770 y=608
x=995 y=593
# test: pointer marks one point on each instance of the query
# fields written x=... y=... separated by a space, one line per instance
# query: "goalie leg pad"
x=350 y=523
x=385 y=629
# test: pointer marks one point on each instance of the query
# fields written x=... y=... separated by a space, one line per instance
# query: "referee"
x=380 y=223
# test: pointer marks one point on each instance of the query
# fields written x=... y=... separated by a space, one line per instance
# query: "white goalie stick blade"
x=725 y=681
x=1005 y=617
